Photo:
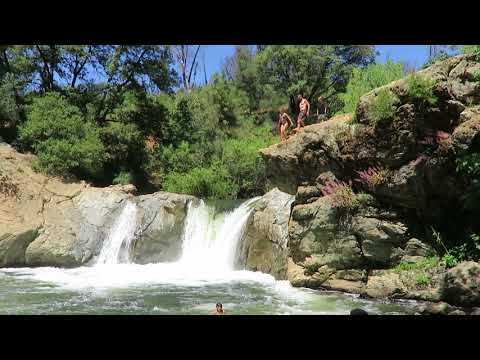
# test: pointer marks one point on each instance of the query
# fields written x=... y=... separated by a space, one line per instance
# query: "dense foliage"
x=383 y=106
x=365 y=80
x=115 y=114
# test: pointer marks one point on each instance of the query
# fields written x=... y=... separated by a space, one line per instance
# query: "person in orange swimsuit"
x=284 y=122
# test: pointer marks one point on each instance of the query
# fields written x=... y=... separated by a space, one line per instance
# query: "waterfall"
x=210 y=243
x=116 y=247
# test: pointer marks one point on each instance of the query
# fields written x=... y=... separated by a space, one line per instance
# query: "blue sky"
x=414 y=54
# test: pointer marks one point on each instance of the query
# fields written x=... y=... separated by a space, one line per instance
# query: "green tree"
x=10 y=109
x=313 y=70
x=65 y=144
x=230 y=101
x=124 y=149
x=242 y=70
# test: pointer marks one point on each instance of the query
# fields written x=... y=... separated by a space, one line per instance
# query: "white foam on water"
x=210 y=245
x=208 y=256
x=103 y=277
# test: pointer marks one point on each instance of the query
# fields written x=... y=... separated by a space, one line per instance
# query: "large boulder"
x=461 y=285
x=405 y=284
x=34 y=203
x=265 y=245
x=74 y=229
x=46 y=221
x=162 y=219
x=366 y=238
x=464 y=135
x=304 y=156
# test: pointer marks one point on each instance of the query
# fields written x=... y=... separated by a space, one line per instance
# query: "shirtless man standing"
x=304 y=111
x=284 y=121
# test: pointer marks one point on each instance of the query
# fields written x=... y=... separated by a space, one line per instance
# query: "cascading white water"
x=210 y=244
x=116 y=246
x=208 y=257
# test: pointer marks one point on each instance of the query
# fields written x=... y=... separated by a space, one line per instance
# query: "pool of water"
x=163 y=289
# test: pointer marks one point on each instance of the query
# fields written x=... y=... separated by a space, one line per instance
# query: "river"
x=203 y=276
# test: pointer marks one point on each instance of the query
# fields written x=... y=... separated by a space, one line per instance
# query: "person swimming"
x=218 y=310
x=358 y=312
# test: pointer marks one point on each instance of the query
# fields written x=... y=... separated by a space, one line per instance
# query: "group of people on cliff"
x=284 y=120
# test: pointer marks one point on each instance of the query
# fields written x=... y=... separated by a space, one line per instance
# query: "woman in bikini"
x=284 y=122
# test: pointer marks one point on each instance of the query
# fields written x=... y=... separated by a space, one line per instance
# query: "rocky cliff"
x=370 y=186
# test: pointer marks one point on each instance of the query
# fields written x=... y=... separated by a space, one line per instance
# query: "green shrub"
x=311 y=268
x=230 y=102
x=245 y=166
x=383 y=106
x=125 y=146
x=240 y=166
x=64 y=142
x=366 y=79
x=191 y=117
x=472 y=49
x=146 y=111
x=469 y=249
x=469 y=165
x=423 y=280
x=83 y=158
x=421 y=89
x=51 y=117
x=449 y=260
x=365 y=199
x=123 y=178
x=181 y=158
x=211 y=182
x=476 y=76
x=425 y=264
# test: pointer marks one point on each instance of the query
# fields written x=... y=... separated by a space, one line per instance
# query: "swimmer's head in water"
x=219 y=306
x=358 y=312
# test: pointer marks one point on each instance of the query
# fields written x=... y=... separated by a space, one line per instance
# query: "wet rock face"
x=461 y=285
x=73 y=230
x=161 y=224
x=265 y=244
